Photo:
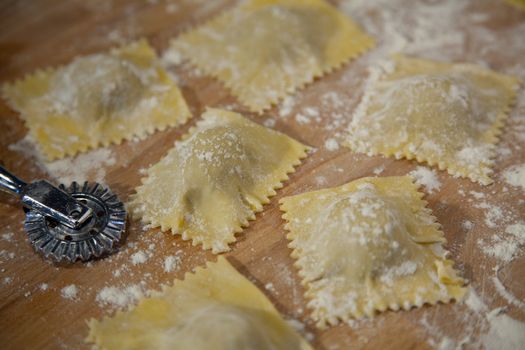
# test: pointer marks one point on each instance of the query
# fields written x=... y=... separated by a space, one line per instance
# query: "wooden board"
x=43 y=33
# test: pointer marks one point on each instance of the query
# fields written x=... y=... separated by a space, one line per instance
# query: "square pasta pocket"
x=263 y=50
x=216 y=178
x=369 y=245
x=214 y=308
x=444 y=114
x=97 y=100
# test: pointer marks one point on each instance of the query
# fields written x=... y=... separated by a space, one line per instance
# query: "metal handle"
x=46 y=199
x=10 y=183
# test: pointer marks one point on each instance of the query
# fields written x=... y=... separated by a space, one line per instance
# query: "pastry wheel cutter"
x=68 y=223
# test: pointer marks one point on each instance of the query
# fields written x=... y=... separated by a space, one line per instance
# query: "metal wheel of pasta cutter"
x=68 y=223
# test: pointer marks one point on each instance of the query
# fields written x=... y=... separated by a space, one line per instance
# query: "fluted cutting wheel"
x=98 y=236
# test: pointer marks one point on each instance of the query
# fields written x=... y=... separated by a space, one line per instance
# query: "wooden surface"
x=43 y=33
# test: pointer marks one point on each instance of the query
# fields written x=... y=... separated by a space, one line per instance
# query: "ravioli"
x=215 y=180
x=97 y=100
x=369 y=245
x=213 y=308
x=444 y=114
x=263 y=50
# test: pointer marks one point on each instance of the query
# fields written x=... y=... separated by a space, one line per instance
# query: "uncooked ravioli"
x=265 y=49
x=97 y=100
x=213 y=308
x=214 y=180
x=367 y=246
x=445 y=114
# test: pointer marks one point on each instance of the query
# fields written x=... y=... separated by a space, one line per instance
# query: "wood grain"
x=36 y=34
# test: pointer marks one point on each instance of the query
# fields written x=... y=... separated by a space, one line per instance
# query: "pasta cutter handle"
x=10 y=183
x=46 y=199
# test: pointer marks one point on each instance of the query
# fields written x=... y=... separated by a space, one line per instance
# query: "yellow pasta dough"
x=518 y=3
x=97 y=100
x=444 y=114
x=214 y=308
x=215 y=180
x=265 y=49
x=368 y=246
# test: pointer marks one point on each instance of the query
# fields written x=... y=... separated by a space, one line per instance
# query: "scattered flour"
x=4 y=254
x=270 y=287
x=331 y=144
x=474 y=302
x=172 y=57
x=378 y=170
x=286 y=106
x=84 y=166
x=430 y=29
x=8 y=237
x=302 y=119
x=426 y=177
x=467 y=225
x=501 y=332
x=44 y=287
x=477 y=195
x=507 y=246
x=515 y=176
x=506 y=294
x=504 y=152
x=505 y=333
x=25 y=146
x=115 y=36
x=493 y=213
x=69 y=292
x=120 y=297
x=172 y=263
x=300 y=328
x=321 y=180
x=446 y=344
x=269 y=123
x=308 y=115
x=139 y=257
